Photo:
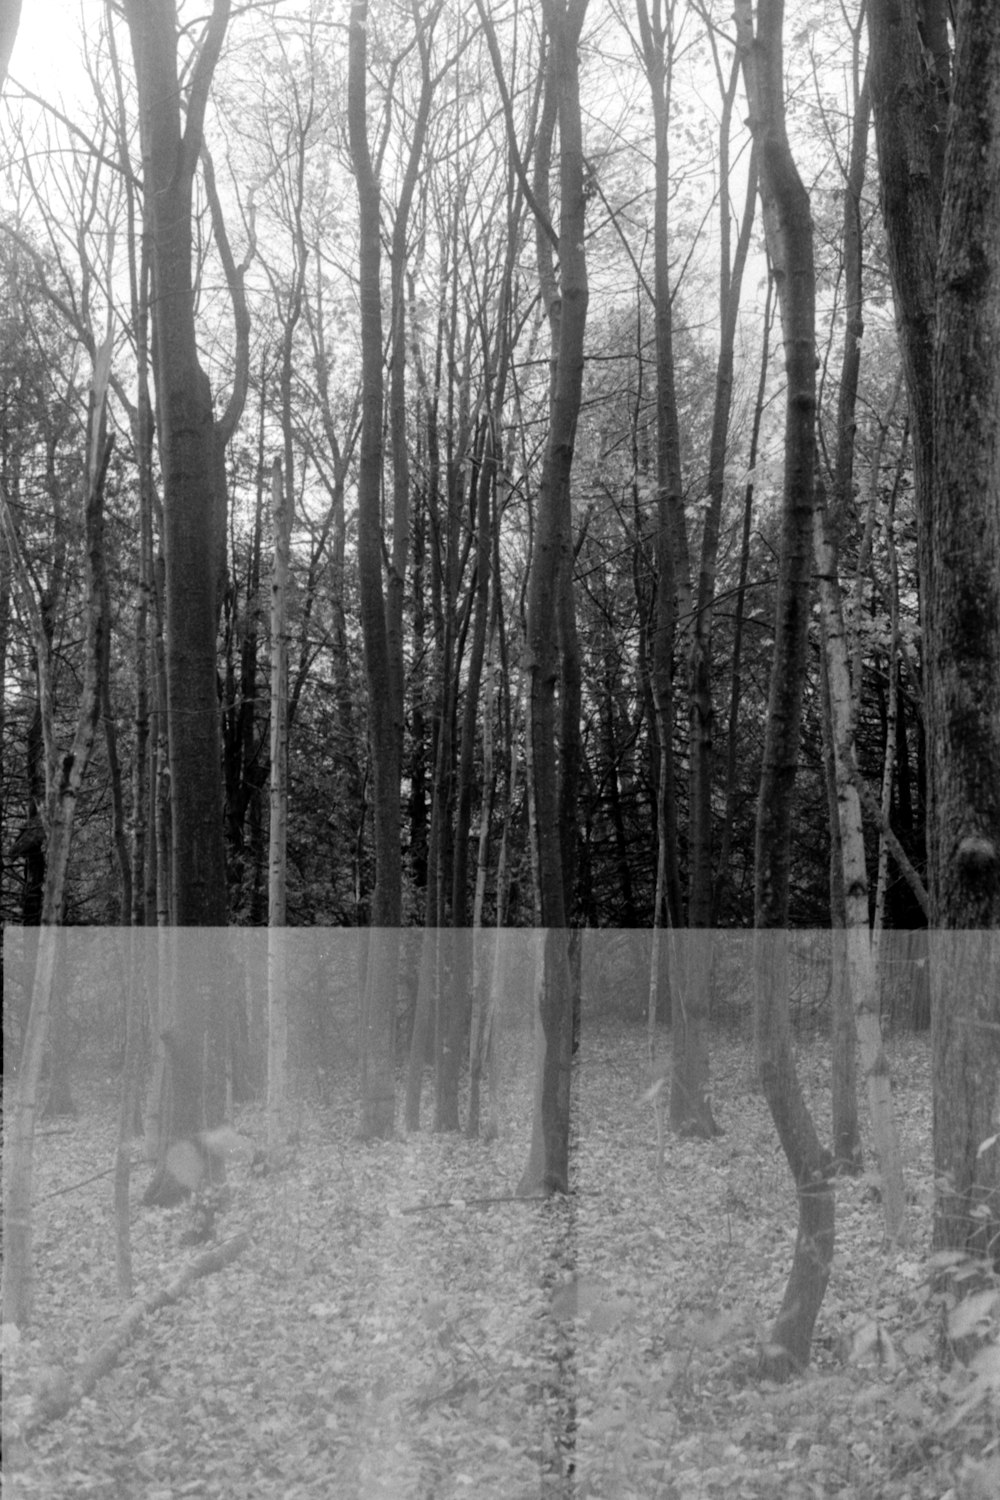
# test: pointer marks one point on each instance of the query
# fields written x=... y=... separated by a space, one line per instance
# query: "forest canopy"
x=453 y=111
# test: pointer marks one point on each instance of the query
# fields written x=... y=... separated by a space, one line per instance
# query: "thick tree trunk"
x=940 y=200
x=963 y=652
x=909 y=104
x=788 y=226
x=10 y=18
x=193 y=527
x=171 y=146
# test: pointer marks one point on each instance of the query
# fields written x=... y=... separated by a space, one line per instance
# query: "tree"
x=861 y=974
x=831 y=523
x=732 y=264
x=550 y=596
x=855 y=973
x=171 y=132
x=193 y=517
x=685 y=610
x=690 y=1109
x=378 y=1027
x=277 y=955
x=495 y=336
x=788 y=226
x=963 y=652
x=9 y=19
x=940 y=182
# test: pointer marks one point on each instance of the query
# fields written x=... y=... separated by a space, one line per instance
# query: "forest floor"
x=386 y=1334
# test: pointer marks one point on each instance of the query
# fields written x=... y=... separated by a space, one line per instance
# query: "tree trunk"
x=143 y=826
x=700 y=901
x=847 y=1153
x=444 y=583
x=909 y=104
x=119 y=840
x=378 y=1022
x=277 y=975
x=862 y=977
x=846 y=1137
x=487 y=1052
x=963 y=653
x=893 y=731
x=550 y=579
x=690 y=1110
x=940 y=199
x=193 y=527
x=788 y=226
x=137 y=946
x=9 y=20
x=481 y=1039
x=171 y=145
x=670 y=548
x=723 y=878
x=690 y=1107
x=160 y=884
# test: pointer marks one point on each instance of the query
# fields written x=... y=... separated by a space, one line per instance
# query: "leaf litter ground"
x=389 y=1335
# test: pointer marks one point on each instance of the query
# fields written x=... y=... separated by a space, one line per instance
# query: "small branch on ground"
x=423 y=1208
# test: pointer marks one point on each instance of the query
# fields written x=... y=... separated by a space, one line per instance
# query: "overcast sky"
x=46 y=56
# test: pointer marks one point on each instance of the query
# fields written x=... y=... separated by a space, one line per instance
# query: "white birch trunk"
x=891 y=717
x=861 y=973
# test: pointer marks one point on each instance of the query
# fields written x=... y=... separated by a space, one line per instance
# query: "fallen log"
x=62 y=1390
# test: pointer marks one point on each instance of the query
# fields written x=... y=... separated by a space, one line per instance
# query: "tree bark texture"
x=193 y=525
x=909 y=104
x=551 y=575
x=670 y=548
x=963 y=651
x=963 y=605
x=378 y=1020
x=702 y=725
x=10 y=17
x=847 y=1153
x=724 y=878
x=172 y=112
x=788 y=226
x=277 y=993
x=940 y=201
x=861 y=975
